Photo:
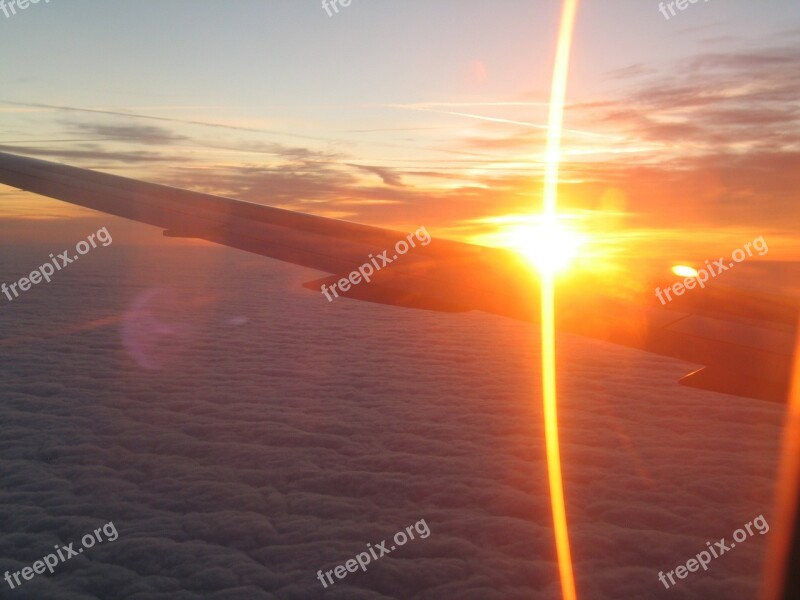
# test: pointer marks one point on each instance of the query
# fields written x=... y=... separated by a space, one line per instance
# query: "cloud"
x=280 y=447
x=138 y=134
x=388 y=176
x=93 y=152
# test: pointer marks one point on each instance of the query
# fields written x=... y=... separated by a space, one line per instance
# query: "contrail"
x=423 y=108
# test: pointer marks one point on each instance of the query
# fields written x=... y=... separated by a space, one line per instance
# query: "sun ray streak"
x=549 y=392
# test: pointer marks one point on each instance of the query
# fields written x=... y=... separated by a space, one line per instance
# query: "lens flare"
x=550 y=223
x=684 y=271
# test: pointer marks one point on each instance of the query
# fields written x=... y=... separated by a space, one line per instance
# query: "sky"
x=427 y=113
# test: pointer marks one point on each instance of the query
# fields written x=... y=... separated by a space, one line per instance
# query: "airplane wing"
x=743 y=339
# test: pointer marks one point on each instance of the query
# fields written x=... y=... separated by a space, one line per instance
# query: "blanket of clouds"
x=243 y=433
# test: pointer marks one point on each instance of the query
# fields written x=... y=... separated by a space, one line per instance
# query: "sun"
x=548 y=244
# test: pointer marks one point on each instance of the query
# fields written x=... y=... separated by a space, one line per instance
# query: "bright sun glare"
x=549 y=245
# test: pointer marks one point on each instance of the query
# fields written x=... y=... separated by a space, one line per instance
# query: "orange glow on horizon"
x=549 y=391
